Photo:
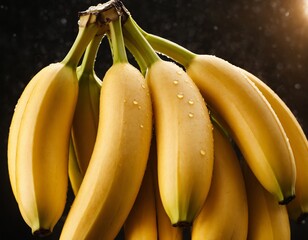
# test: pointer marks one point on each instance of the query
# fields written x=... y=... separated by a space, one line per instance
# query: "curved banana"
x=141 y=221
x=44 y=128
x=250 y=118
x=266 y=218
x=297 y=208
x=164 y=227
x=39 y=137
x=85 y=122
x=118 y=162
x=252 y=123
x=224 y=214
x=184 y=133
x=184 y=141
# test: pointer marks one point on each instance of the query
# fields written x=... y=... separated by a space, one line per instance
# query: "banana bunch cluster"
x=195 y=143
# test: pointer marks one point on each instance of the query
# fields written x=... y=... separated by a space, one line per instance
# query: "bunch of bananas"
x=197 y=143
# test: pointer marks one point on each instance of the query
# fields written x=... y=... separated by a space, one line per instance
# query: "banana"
x=298 y=208
x=224 y=214
x=252 y=123
x=183 y=133
x=74 y=173
x=39 y=137
x=250 y=118
x=141 y=221
x=118 y=162
x=164 y=227
x=85 y=122
x=266 y=218
x=184 y=141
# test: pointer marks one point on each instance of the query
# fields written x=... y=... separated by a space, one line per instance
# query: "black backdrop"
x=268 y=38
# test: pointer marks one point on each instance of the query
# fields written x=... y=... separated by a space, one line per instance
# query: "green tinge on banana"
x=39 y=137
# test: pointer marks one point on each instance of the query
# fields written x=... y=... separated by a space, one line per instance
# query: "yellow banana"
x=141 y=221
x=251 y=120
x=164 y=227
x=39 y=137
x=184 y=134
x=84 y=127
x=118 y=162
x=74 y=172
x=252 y=123
x=224 y=214
x=184 y=141
x=266 y=218
x=298 y=208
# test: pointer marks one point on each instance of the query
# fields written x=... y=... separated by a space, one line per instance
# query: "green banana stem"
x=166 y=47
x=135 y=37
x=89 y=57
x=117 y=42
x=88 y=27
x=137 y=55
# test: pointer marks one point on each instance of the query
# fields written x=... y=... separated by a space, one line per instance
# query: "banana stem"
x=117 y=42
x=168 y=48
x=133 y=35
x=88 y=27
x=137 y=55
x=89 y=57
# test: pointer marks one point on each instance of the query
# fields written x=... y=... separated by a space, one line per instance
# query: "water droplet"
x=143 y=85
x=175 y=82
x=124 y=100
x=179 y=72
x=180 y=95
x=191 y=102
x=191 y=115
x=202 y=152
x=135 y=102
x=139 y=107
x=141 y=126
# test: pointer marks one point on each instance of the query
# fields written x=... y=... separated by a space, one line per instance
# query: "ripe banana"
x=39 y=137
x=298 y=208
x=164 y=227
x=118 y=162
x=224 y=214
x=184 y=133
x=141 y=221
x=266 y=218
x=251 y=120
x=184 y=141
x=44 y=130
x=85 y=122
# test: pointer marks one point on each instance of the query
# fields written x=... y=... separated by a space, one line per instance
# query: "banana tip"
x=182 y=224
x=286 y=200
x=42 y=232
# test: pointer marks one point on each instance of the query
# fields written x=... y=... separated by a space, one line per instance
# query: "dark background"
x=267 y=37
